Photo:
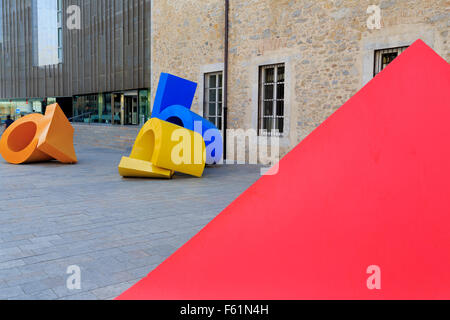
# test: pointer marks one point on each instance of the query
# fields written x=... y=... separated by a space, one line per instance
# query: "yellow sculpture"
x=161 y=148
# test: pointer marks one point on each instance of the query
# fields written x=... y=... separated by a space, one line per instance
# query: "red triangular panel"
x=370 y=186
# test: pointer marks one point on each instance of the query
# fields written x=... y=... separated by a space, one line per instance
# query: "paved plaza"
x=116 y=230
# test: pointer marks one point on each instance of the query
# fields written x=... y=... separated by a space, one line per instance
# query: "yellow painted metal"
x=165 y=146
x=130 y=167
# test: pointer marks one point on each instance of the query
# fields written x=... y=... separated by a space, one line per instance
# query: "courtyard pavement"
x=116 y=230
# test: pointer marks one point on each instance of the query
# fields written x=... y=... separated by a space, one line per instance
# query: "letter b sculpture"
x=175 y=139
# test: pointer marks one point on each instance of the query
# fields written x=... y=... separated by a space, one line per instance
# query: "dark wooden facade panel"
x=111 y=52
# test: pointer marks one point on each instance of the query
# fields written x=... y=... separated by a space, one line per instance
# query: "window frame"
x=60 y=31
x=1 y=22
x=261 y=99
x=378 y=57
x=218 y=103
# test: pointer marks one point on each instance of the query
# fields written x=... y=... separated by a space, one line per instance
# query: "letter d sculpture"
x=37 y=138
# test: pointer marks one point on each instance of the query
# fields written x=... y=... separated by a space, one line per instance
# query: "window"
x=85 y=109
x=107 y=110
x=212 y=108
x=143 y=106
x=59 y=9
x=384 y=57
x=1 y=22
x=271 y=100
x=60 y=31
x=46 y=32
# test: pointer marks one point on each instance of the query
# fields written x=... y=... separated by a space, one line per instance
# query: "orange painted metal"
x=37 y=138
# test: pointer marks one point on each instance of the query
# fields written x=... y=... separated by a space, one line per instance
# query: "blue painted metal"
x=173 y=102
x=173 y=90
x=183 y=117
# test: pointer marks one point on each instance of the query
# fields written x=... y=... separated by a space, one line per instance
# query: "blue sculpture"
x=173 y=90
x=173 y=102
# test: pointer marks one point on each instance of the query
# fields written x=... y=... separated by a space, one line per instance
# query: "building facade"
x=91 y=56
x=290 y=63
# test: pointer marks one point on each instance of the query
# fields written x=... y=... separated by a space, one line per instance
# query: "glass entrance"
x=131 y=110
x=117 y=108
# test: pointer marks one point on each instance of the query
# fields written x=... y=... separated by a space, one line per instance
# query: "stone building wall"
x=326 y=46
x=187 y=35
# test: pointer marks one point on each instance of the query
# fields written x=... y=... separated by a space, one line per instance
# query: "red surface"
x=370 y=186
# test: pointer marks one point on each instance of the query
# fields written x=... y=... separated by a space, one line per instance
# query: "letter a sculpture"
x=175 y=139
x=38 y=138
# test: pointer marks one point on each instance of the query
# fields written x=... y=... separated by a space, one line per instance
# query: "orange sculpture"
x=37 y=138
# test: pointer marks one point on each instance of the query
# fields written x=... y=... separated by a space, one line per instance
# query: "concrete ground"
x=116 y=230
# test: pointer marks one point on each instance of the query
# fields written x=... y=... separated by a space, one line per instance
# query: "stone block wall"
x=326 y=46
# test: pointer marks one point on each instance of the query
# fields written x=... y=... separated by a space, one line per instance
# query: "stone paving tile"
x=37 y=286
x=116 y=230
x=81 y=296
x=111 y=291
x=11 y=264
x=25 y=278
x=10 y=292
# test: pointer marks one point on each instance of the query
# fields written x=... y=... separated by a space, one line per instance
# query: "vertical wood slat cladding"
x=111 y=52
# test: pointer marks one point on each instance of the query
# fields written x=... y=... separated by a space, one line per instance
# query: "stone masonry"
x=326 y=46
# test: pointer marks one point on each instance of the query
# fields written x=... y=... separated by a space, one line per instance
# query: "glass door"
x=131 y=110
x=135 y=111
x=116 y=99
